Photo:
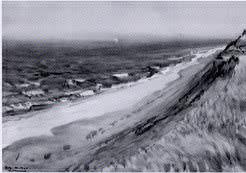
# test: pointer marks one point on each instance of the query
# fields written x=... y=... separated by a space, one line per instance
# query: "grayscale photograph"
x=123 y=86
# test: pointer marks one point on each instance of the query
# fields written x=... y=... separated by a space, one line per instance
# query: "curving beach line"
x=41 y=123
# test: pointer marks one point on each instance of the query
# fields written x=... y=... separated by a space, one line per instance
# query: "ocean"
x=39 y=74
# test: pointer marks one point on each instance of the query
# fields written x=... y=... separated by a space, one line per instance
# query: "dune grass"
x=211 y=137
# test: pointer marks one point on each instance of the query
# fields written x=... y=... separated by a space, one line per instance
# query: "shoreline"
x=47 y=120
x=114 y=88
x=16 y=111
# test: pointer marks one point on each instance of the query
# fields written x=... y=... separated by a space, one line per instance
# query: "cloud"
x=92 y=20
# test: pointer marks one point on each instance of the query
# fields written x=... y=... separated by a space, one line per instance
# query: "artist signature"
x=15 y=169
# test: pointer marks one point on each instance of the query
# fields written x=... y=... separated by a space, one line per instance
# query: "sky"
x=109 y=20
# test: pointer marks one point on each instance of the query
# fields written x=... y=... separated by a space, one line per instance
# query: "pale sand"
x=99 y=138
x=41 y=123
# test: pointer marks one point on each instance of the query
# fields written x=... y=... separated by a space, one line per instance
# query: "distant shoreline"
x=156 y=82
x=32 y=106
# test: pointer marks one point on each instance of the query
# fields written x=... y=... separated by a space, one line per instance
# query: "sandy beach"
x=41 y=123
x=117 y=114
